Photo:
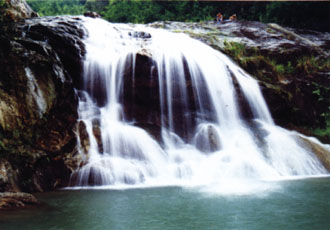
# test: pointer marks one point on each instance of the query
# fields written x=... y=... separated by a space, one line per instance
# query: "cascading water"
x=203 y=137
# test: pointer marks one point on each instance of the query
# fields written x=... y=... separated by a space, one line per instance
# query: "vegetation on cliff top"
x=307 y=15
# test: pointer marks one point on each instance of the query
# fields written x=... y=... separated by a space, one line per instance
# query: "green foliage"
x=308 y=65
x=322 y=93
x=2 y=3
x=273 y=69
x=248 y=59
x=280 y=69
x=313 y=15
x=149 y=11
x=96 y=5
x=311 y=65
x=57 y=7
x=323 y=132
x=235 y=49
x=2 y=9
x=289 y=69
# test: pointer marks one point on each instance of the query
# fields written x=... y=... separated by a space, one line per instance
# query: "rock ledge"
x=10 y=200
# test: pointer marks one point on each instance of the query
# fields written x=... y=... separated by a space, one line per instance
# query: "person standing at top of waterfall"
x=219 y=17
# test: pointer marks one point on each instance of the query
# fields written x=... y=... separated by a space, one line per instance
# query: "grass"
x=235 y=50
x=258 y=64
x=311 y=65
x=308 y=65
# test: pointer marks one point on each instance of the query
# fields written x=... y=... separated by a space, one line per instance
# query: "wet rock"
x=141 y=100
x=153 y=130
x=8 y=177
x=291 y=35
x=321 y=151
x=16 y=200
x=244 y=107
x=98 y=134
x=50 y=174
x=207 y=139
x=83 y=136
x=64 y=34
x=271 y=39
x=40 y=62
x=140 y=34
x=15 y=10
x=141 y=97
x=92 y=14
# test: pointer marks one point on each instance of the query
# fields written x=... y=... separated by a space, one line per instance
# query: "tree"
x=308 y=15
x=57 y=7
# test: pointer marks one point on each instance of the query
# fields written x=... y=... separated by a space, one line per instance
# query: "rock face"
x=292 y=66
x=40 y=60
x=92 y=14
x=322 y=152
x=8 y=177
x=16 y=200
x=14 y=10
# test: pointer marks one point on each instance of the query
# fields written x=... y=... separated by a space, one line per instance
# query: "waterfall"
x=161 y=108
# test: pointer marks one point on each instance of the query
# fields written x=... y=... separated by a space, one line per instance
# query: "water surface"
x=294 y=204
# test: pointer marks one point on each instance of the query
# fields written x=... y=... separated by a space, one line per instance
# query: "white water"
x=222 y=149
